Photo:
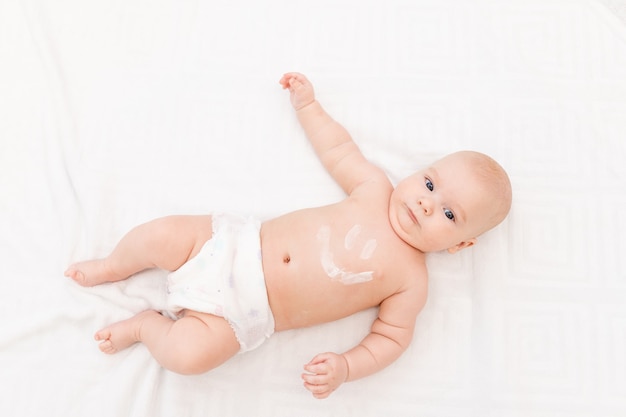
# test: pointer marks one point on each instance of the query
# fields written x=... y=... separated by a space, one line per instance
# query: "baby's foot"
x=90 y=273
x=121 y=335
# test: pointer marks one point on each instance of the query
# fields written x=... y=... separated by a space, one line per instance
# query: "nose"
x=427 y=205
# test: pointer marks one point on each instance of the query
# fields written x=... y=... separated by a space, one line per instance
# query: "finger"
x=318 y=365
x=284 y=82
x=322 y=395
x=315 y=379
x=298 y=76
x=318 y=368
x=317 y=389
x=292 y=75
x=295 y=83
x=287 y=76
x=319 y=358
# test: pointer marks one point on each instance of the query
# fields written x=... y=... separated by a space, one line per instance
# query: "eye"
x=448 y=214
x=429 y=184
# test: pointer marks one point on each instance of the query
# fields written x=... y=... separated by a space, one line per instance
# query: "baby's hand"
x=300 y=88
x=326 y=372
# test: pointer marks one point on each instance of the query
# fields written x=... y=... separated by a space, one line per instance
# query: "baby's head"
x=449 y=204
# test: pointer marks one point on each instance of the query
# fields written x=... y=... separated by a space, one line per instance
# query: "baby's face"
x=444 y=206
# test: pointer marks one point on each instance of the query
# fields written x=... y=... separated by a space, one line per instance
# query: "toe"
x=76 y=275
x=106 y=347
x=70 y=272
x=103 y=334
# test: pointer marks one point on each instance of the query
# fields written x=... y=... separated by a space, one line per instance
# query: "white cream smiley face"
x=337 y=273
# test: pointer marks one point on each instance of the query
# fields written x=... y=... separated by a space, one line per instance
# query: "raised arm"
x=389 y=337
x=331 y=141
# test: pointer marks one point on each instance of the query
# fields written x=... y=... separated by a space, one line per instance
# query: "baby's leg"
x=193 y=344
x=165 y=243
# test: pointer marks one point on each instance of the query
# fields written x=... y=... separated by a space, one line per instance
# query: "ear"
x=462 y=245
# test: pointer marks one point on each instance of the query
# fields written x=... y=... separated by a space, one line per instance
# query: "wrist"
x=345 y=361
x=304 y=106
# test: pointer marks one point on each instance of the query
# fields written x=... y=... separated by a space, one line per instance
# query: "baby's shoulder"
x=376 y=187
x=407 y=269
x=409 y=294
x=369 y=201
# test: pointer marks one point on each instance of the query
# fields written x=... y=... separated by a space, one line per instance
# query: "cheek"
x=438 y=232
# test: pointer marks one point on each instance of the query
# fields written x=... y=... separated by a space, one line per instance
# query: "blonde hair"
x=497 y=184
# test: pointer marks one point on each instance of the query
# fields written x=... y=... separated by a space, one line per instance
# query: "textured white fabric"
x=113 y=113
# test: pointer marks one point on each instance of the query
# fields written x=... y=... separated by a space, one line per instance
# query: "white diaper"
x=226 y=279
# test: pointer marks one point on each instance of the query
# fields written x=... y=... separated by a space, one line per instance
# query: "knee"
x=198 y=348
x=162 y=227
x=170 y=228
x=195 y=361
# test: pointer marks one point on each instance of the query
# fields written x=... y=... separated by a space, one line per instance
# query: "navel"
x=286 y=258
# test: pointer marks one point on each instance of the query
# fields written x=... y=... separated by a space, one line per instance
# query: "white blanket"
x=116 y=112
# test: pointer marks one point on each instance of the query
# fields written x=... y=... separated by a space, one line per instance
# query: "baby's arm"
x=331 y=141
x=390 y=335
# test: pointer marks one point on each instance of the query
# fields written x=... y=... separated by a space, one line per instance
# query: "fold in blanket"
x=114 y=113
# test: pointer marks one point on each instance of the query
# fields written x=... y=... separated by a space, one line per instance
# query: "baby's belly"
x=303 y=289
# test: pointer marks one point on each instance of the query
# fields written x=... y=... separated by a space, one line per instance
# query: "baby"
x=237 y=280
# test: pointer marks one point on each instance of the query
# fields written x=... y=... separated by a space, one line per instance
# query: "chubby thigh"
x=213 y=339
x=193 y=344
